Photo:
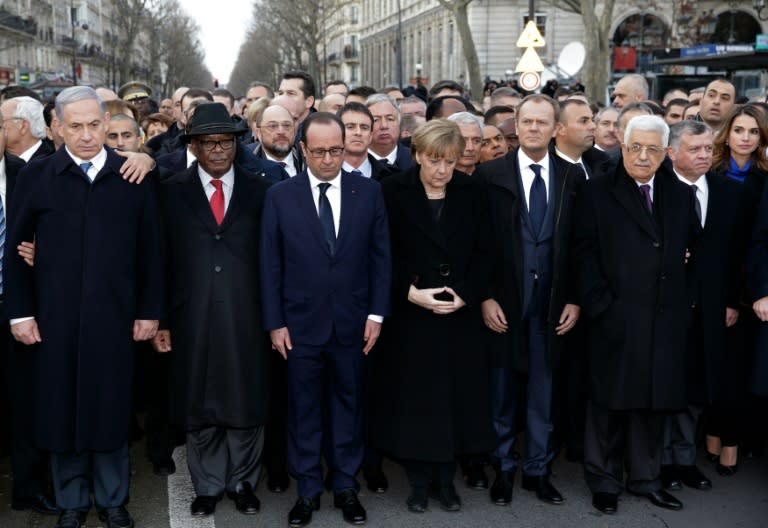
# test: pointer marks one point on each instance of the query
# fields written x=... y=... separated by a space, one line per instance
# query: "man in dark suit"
x=529 y=307
x=633 y=230
x=25 y=128
x=714 y=294
x=358 y=125
x=325 y=278
x=276 y=134
x=385 y=146
x=94 y=290
x=29 y=463
x=212 y=213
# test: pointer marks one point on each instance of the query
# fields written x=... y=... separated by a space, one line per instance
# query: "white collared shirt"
x=702 y=194
x=527 y=175
x=3 y=184
x=365 y=168
x=333 y=194
x=390 y=158
x=579 y=161
x=290 y=168
x=27 y=154
x=97 y=162
x=228 y=181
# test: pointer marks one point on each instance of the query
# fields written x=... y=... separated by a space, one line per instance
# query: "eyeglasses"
x=651 y=150
x=335 y=152
x=225 y=144
x=273 y=127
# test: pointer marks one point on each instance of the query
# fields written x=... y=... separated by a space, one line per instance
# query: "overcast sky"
x=223 y=24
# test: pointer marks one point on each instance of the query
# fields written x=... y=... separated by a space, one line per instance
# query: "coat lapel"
x=194 y=195
x=626 y=193
x=236 y=202
x=414 y=204
x=306 y=204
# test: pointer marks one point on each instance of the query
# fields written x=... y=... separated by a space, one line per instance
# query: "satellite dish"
x=572 y=57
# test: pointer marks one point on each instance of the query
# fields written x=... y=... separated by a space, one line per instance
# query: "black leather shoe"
x=662 y=499
x=605 y=502
x=39 y=503
x=278 y=481
x=245 y=501
x=375 y=479
x=447 y=497
x=475 y=475
x=726 y=471
x=164 y=468
x=116 y=517
x=203 y=505
x=301 y=513
x=417 y=500
x=670 y=479
x=351 y=509
x=544 y=489
x=691 y=477
x=501 y=490
x=72 y=519
x=713 y=458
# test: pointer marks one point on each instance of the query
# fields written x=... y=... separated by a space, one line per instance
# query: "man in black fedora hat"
x=219 y=365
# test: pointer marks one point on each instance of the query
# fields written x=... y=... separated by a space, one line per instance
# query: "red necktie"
x=217 y=201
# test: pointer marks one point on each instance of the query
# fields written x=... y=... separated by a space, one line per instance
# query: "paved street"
x=740 y=501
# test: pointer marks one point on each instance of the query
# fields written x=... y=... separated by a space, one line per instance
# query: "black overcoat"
x=509 y=350
x=97 y=269
x=219 y=360
x=431 y=377
x=631 y=277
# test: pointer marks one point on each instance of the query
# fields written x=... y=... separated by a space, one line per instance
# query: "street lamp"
x=759 y=5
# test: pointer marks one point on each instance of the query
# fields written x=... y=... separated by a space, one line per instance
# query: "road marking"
x=181 y=494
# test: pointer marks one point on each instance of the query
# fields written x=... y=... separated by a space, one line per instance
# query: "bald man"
x=631 y=88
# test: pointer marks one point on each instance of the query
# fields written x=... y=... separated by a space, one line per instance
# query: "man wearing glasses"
x=276 y=133
x=219 y=375
x=633 y=228
x=325 y=281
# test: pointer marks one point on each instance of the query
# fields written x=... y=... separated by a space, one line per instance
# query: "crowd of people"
x=304 y=287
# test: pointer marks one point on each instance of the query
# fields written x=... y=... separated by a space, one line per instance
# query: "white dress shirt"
x=702 y=194
x=290 y=168
x=27 y=154
x=3 y=184
x=527 y=175
x=390 y=158
x=97 y=162
x=365 y=168
x=191 y=158
x=333 y=193
x=579 y=161
x=228 y=181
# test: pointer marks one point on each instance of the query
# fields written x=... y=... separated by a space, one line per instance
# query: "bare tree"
x=130 y=17
x=459 y=10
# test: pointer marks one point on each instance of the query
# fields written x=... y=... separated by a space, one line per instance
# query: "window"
x=541 y=23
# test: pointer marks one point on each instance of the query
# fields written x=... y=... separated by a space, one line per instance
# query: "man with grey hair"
x=385 y=146
x=632 y=232
x=631 y=88
x=606 y=134
x=24 y=126
x=472 y=132
x=714 y=294
x=95 y=289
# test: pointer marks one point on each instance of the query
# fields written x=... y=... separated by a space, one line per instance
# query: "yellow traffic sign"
x=529 y=62
x=531 y=38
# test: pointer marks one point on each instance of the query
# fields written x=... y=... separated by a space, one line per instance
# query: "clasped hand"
x=426 y=299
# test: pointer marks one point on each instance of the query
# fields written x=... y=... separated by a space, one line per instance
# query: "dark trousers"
x=425 y=474
x=275 y=435
x=505 y=390
x=615 y=441
x=28 y=462
x=110 y=472
x=326 y=378
x=680 y=437
x=220 y=458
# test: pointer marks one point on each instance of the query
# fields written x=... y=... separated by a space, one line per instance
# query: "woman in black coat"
x=740 y=154
x=431 y=381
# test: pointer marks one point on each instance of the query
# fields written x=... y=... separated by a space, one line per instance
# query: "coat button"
x=217 y=237
x=656 y=244
x=663 y=276
x=217 y=269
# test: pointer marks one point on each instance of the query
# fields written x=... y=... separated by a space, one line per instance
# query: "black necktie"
x=356 y=173
x=325 y=213
x=697 y=203
x=537 y=201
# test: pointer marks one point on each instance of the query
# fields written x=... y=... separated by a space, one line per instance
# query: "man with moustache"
x=529 y=308
x=633 y=231
x=472 y=132
x=276 y=132
x=605 y=129
x=493 y=145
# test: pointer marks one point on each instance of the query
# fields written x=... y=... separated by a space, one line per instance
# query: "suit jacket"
x=46 y=149
x=379 y=169
x=97 y=269
x=298 y=159
x=213 y=284
x=305 y=287
x=631 y=277
x=403 y=159
x=507 y=275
